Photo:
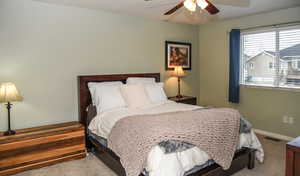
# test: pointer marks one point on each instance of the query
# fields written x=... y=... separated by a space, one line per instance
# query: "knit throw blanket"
x=215 y=131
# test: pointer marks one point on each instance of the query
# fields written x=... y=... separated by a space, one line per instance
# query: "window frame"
x=276 y=64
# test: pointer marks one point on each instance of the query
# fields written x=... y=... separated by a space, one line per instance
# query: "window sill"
x=290 y=89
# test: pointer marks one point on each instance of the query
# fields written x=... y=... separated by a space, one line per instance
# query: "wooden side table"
x=293 y=158
x=41 y=146
x=185 y=99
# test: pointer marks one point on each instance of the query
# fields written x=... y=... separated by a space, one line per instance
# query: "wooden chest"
x=41 y=146
x=293 y=158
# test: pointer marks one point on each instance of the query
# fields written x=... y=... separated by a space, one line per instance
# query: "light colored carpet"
x=274 y=165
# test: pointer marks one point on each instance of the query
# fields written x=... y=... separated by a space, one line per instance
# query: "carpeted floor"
x=274 y=165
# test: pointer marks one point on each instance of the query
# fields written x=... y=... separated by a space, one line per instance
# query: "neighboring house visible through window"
x=271 y=57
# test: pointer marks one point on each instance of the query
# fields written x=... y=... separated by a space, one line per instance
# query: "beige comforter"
x=215 y=131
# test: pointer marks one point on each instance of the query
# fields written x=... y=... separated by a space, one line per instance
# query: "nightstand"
x=185 y=99
x=41 y=146
x=293 y=158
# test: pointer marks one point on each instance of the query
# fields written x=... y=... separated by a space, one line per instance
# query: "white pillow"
x=156 y=92
x=92 y=87
x=140 y=80
x=135 y=95
x=108 y=97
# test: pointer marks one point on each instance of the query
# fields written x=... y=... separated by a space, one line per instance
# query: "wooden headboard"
x=84 y=96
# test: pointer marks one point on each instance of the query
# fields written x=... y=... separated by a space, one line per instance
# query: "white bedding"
x=159 y=163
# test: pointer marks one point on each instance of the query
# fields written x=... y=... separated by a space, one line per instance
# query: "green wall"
x=263 y=107
x=43 y=47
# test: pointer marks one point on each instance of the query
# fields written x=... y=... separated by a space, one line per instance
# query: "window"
x=275 y=52
x=251 y=65
x=294 y=65
x=271 y=65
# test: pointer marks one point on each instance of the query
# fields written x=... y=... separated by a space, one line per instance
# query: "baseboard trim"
x=273 y=135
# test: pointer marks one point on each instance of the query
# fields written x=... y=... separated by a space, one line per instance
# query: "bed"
x=245 y=157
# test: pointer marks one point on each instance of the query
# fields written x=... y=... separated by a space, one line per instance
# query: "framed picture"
x=178 y=54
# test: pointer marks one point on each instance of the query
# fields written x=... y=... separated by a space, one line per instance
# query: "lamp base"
x=9 y=133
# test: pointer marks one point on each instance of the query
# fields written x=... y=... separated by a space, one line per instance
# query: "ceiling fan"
x=191 y=5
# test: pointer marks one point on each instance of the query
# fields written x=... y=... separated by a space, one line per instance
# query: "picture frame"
x=178 y=54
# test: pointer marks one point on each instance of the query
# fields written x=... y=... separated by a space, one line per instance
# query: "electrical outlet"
x=288 y=119
x=291 y=120
x=285 y=119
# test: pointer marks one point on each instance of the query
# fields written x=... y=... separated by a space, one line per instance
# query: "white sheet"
x=159 y=163
x=104 y=122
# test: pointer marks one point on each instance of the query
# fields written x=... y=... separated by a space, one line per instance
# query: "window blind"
x=271 y=57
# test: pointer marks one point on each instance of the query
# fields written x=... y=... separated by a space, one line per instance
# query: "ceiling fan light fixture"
x=202 y=4
x=190 y=5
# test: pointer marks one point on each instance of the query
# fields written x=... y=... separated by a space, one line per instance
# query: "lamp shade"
x=178 y=72
x=202 y=4
x=190 y=5
x=9 y=93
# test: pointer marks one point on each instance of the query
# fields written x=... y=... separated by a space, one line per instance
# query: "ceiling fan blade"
x=178 y=6
x=211 y=8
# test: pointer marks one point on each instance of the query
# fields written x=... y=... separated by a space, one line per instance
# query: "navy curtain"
x=234 y=71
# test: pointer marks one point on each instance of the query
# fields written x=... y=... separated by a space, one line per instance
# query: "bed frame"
x=244 y=158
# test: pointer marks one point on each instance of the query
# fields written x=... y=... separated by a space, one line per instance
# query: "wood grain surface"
x=41 y=146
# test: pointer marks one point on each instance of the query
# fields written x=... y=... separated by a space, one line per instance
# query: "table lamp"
x=179 y=73
x=8 y=94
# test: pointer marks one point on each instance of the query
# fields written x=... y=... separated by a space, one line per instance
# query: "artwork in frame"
x=178 y=54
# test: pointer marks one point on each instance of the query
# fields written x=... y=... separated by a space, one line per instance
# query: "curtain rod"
x=265 y=26
x=272 y=25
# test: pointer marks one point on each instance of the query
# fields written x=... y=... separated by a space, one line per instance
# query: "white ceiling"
x=154 y=9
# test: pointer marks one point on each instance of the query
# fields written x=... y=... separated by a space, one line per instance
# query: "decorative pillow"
x=108 y=97
x=135 y=95
x=140 y=80
x=156 y=92
x=92 y=87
